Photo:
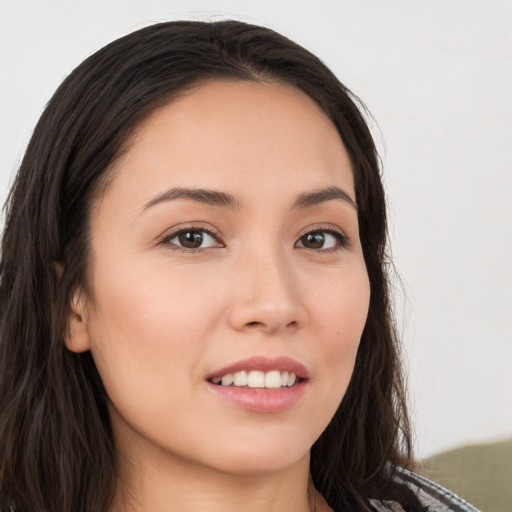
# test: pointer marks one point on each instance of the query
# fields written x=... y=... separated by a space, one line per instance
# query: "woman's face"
x=226 y=248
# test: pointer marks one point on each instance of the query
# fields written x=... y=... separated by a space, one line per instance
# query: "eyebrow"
x=316 y=197
x=215 y=198
x=200 y=195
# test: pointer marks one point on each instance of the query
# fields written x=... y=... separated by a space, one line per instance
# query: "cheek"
x=340 y=306
x=156 y=304
x=142 y=325
x=339 y=315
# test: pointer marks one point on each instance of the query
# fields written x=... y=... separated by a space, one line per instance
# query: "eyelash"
x=341 y=238
x=166 y=240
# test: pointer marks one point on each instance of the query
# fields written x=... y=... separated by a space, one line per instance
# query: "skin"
x=160 y=318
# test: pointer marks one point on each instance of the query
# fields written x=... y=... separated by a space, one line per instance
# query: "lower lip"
x=260 y=399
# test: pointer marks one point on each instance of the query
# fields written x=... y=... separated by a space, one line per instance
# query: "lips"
x=258 y=384
x=273 y=379
x=263 y=364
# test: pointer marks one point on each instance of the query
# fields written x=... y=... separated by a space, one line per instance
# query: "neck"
x=147 y=482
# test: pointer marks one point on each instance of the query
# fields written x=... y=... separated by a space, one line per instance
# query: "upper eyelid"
x=323 y=227
x=344 y=242
x=173 y=232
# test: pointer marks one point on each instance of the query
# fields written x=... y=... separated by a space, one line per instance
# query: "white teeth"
x=257 y=379
x=240 y=379
x=273 y=380
x=227 y=380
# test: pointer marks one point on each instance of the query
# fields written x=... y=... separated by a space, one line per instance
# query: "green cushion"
x=481 y=474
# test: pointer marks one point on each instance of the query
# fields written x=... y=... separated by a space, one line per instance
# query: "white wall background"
x=437 y=76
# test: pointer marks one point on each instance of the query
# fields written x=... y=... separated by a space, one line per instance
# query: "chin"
x=252 y=456
x=259 y=464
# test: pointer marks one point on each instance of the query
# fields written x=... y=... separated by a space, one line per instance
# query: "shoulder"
x=431 y=495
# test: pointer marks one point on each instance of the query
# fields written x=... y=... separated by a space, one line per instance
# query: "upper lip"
x=264 y=364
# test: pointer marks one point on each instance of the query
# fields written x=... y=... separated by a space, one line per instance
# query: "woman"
x=194 y=301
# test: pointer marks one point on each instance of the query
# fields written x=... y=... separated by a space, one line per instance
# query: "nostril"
x=255 y=324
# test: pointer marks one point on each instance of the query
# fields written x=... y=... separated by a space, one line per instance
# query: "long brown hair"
x=56 y=443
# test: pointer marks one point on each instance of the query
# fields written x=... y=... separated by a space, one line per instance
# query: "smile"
x=273 y=379
x=261 y=384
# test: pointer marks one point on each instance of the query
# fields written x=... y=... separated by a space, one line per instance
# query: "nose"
x=267 y=297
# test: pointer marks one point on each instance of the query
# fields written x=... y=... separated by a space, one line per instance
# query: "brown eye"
x=313 y=240
x=190 y=239
x=325 y=239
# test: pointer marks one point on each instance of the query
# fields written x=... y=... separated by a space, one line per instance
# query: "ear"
x=77 y=335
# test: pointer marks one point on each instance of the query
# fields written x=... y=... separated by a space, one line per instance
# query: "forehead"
x=242 y=135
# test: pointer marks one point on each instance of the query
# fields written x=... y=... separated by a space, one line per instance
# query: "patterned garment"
x=432 y=496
